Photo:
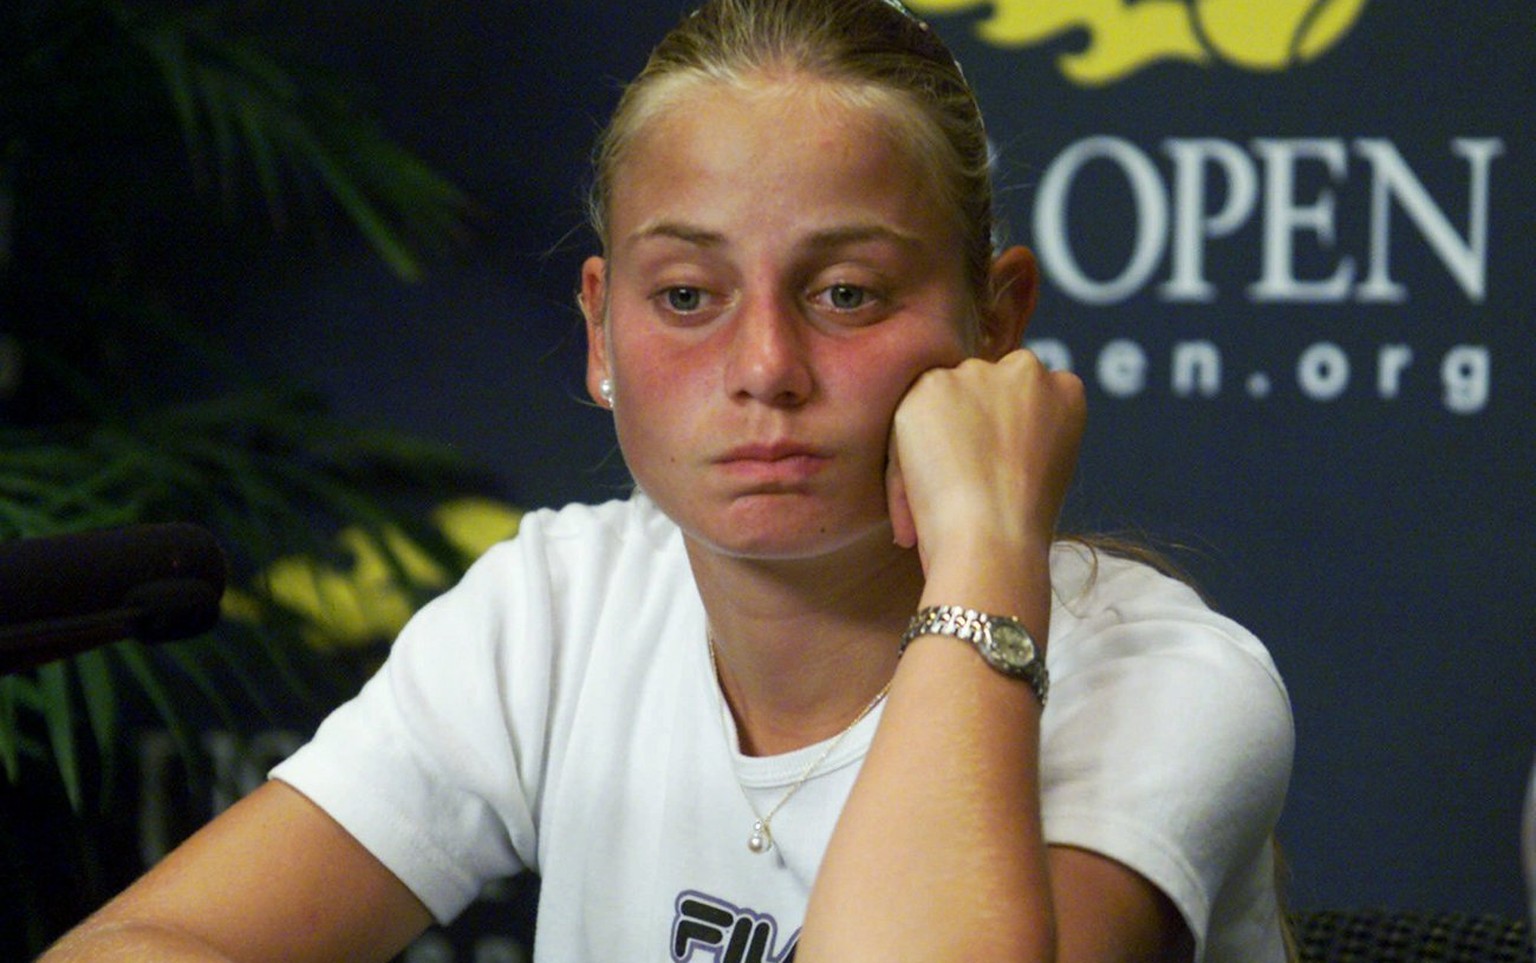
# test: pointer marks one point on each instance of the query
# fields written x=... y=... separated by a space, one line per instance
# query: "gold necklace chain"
x=761 y=839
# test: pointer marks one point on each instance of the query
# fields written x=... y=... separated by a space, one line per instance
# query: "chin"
x=781 y=534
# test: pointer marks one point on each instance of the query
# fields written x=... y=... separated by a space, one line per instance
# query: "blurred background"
x=1286 y=245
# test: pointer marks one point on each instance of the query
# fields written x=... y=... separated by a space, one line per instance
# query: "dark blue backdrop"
x=1341 y=430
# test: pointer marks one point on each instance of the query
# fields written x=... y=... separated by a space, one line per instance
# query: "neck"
x=802 y=646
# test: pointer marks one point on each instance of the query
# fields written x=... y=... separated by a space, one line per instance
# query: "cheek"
x=660 y=388
x=635 y=356
x=661 y=374
x=887 y=368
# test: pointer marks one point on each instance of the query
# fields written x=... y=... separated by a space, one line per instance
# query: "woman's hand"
x=981 y=455
x=939 y=852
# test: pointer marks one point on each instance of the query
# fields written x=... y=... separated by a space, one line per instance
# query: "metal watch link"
x=1002 y=641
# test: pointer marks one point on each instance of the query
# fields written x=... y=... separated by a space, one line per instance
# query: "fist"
x=984 y=450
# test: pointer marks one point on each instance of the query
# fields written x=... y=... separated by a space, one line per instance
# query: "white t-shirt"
x=557 y=711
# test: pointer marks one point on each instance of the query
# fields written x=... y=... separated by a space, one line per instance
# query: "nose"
x=769 y=355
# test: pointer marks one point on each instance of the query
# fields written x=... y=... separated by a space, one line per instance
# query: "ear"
x=1014 y=288
x=593 y=300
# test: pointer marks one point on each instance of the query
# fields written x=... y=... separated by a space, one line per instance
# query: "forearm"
x=130 y=942
x=938 y=854
x=271 y=880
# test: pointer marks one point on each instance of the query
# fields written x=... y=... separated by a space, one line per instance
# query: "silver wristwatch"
x=1004 y=643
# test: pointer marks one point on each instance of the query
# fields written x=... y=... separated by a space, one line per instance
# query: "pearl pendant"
x=761 y=839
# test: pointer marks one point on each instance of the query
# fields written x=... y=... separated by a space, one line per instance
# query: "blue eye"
x=846 y=297
x=684 y=300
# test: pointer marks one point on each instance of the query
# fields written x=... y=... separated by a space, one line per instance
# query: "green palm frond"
x=113 y=114
x=240 y=110
x=272 y=475
x=247 y=120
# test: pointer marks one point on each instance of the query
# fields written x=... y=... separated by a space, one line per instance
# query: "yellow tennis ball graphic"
x=1122 y=37
x=1272 y=34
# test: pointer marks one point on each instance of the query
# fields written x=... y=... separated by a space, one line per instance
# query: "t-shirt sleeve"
x=434 y=765
x=1168 y=739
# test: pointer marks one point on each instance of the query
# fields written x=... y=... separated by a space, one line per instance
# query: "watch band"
x=1001 y=640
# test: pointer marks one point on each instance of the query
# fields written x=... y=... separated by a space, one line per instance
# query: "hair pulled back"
x=869 y=45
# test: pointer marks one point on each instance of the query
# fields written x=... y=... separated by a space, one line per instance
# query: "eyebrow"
x=860 y=234
x=826 y=239
x=697 y=236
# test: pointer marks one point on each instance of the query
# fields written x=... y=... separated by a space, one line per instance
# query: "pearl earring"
x=605 y=388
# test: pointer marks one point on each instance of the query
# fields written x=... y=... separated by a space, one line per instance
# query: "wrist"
x=992 y=574
x=1003 y=643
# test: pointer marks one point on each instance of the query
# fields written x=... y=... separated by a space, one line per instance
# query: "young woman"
x=828 y=684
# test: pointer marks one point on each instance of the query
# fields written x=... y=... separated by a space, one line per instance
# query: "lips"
x=782 y=463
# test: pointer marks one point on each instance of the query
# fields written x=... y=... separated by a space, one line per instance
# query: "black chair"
x=1408 y=936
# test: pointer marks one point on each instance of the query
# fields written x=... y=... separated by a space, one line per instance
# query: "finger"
x=903 y=525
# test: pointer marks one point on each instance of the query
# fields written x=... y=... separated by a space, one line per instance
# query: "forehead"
x=716 y=149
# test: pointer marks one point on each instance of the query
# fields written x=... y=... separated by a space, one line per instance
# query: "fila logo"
x=705 y=927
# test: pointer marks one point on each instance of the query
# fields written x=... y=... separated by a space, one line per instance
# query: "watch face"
x=1012 y=648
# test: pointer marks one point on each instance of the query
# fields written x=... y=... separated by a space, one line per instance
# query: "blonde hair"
x=875 y=49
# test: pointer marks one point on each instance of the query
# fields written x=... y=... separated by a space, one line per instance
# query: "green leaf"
x=100 y=698
x=10 y=754
x=133 y=656
x=167 y=49
x=365 y=215
x=262 y=156
x=185 y=657
x=58 y=714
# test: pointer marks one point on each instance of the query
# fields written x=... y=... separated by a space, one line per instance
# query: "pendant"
x=761 y=839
